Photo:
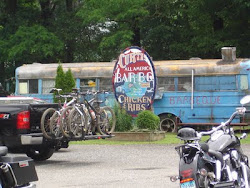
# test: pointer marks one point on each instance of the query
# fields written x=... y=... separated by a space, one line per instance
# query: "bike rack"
x=92 y=137
x=84 y=137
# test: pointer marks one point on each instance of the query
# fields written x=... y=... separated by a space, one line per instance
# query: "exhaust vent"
x=228 y=54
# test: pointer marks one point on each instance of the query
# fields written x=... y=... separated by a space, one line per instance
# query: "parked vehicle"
x=20 y=127
x=16 y=171
x=219 y=162
x=195 y=90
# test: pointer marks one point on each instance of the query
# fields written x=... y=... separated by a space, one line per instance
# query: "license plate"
x=189 y=184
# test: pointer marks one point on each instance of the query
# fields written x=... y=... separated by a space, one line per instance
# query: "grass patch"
x=169 y=139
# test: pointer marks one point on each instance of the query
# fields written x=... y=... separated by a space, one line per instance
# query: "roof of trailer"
x=105 y=69
x=79 y=70
x=200 y=67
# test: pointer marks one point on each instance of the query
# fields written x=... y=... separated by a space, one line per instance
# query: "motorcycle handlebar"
x=224 y=124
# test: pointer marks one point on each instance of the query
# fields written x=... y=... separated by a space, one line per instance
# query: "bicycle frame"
x=59 y=111
x=89 y=108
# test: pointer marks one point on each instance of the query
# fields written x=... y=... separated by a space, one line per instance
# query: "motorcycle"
x=218 y=162
x=16 y=171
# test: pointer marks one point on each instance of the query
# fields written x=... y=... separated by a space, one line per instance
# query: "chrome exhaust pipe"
x=218 y=170
x=174 y=178
x=244 y=170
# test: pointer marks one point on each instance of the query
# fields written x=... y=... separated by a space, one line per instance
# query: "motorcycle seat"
x=218 y=155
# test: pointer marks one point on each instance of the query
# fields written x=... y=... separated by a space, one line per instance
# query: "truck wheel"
x=40 y=154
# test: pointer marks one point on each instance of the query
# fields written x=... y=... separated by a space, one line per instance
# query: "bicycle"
x=53 y=121
x=89 y=117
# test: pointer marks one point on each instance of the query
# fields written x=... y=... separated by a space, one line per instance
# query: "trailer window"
x=184 y=84
x=106 y=84
x=88 y=84
x=243 y=82
x=166 y=83
x=47 y=86
x=215 y=83
x=28 y=86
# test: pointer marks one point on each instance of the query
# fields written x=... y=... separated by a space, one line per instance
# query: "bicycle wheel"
x=107 y=121
x=77 y=123
x=55 y=125
x=64 y=121
x=45 y=122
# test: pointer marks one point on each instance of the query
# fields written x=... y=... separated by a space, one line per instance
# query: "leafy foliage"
x=69 y=81
x=97 y=30
x=32 y=44
x=124 y=122
x=64 y=81
x=60 y=77
x=147 y=120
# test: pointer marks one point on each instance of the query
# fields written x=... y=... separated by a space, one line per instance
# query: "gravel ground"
x=111 y=166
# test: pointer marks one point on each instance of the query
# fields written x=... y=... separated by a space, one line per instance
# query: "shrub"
x=69 y=81
x=147 y=120
x=123 y=119
x=64 y=81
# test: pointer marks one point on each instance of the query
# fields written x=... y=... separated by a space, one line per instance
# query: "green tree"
x=60 y=78
x=166 y=29
x=215 y=24
x=34 y=44
x=64 y=81
x=118 y=23
x=97 y=30
x=69 y=81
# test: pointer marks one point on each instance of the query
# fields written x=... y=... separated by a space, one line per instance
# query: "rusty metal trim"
x=178 y=124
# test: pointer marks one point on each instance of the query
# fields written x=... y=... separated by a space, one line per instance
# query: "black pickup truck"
x=20 y=127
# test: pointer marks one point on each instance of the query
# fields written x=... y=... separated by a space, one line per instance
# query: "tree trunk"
x=137 y=35
x=2 y=73
x=47 y=10
x=70 y=42
x=11 y=6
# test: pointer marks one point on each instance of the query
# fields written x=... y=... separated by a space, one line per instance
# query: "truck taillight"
x=23 y=120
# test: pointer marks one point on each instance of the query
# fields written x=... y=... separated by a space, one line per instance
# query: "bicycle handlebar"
x=94 y=92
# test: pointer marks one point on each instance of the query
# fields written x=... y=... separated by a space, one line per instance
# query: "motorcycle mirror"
x=243 y=136
x=245 y=100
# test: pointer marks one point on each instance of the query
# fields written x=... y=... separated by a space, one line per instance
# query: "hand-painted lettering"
x=199 y=100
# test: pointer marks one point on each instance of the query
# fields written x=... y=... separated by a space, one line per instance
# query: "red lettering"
x=213 y=100
x=204 y=100
x=197 y=100
x=171 y=100
x=218 y=100
x=185 y=100
x=179 y=101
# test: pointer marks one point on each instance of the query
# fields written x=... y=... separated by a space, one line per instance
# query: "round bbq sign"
x=134 y=80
